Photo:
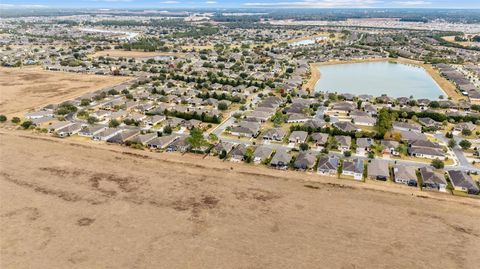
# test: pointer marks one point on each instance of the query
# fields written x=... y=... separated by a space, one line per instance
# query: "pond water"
x=307 y=41
x=377 y=78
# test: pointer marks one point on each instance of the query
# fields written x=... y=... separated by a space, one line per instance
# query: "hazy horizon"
x=246 y=4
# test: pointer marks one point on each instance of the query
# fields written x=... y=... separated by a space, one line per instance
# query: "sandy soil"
x=447 y=87
x=73 y=205
x=133 y=53
x=22 y=89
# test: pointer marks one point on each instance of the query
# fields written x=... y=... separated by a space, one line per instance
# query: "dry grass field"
x=23 y=89
x=67 y=204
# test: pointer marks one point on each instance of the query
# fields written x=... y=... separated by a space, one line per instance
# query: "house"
x=328 y=165
x=58 y=125
x=425 y=149
x=405 y=126
x=192 y=123
x=222 y=146
x=124 y=136
x=298 y=137
x=364 y=120
x=405 y=175
x=390 y=147
x=432 y=180
x=305 y=160
x=461 y=181
x=247 y=129
x=346 y=126
x=107 y=134
x=69 y=130
x=343 y=107
x=91 y=130
x=320 y=139
x=429 y=123
x=364 y=145
x=143 y=139
x=276 y=134
x=378 y=169
x=344 y=142
x=238 y=153
x=154 y=120
x=180 y=145
x=409 y=136
x=281 y=159
x=261 y=154
x=458 y=128
x=297 y=118
x=353 y=168
x=315 y=123
x=39 y=114
x=161 y=142
x=259 y=115
x=101 y=115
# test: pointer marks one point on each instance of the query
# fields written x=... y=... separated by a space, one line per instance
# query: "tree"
x=196 y=139
x=452 y=143
x=113 y=123
x=16 y=120
x=26 y=124
x=438 y=164
x=248 y=157
x=304 y=146
x=212 y=137
x=85 y=102
x=402 y=149
x=278 y=119
x=167 y=129
x=91 y=120
x=223 y=154
x=465 y=144
x=3 y=118
x=466 y=132
x=385 y=121
x=222 y=106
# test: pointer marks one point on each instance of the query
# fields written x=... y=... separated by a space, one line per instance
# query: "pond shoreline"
x=445 y=86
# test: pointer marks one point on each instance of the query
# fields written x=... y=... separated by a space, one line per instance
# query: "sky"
x=240 y=4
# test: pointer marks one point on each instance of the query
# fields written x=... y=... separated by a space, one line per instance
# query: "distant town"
x=246 y=88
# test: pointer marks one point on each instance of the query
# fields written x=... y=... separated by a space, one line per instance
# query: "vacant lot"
x=22 y=89
x=134 y=53
x=72 y=205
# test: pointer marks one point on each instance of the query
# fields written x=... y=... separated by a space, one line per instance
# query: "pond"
x=377 y=78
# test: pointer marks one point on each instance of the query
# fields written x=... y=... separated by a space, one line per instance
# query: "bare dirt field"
x=68 y=204
x=22 y=89
x=134 y=53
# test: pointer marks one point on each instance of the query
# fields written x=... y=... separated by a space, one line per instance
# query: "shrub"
x=113 y=123
x=222 y=106
x=16 y=120
x=465 y=144
x=26 y=124
x=466 y=132
x=304 y=146
x=438 y=164
x=3 y=118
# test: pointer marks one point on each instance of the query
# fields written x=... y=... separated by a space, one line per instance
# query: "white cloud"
x=210 y=2
x=4 y=6
x=112 y=1
x=316 y=3
x=412 y=3
x=170 y=2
